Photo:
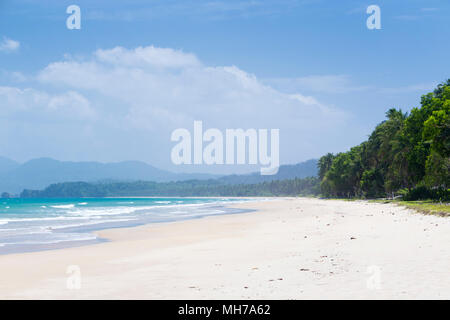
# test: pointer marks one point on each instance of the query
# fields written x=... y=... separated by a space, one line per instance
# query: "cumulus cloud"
x=149 y=81
x=147 y=57
x=135 y=98
x=9 y=45
x=34 y=104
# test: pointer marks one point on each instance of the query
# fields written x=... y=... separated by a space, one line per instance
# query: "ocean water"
x=42 y=224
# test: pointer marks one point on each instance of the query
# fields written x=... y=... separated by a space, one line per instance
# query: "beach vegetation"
x=407 y=155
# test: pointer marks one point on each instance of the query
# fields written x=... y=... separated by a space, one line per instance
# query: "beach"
x=287 y=248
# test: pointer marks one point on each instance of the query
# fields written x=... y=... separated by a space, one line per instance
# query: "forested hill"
x=196 y=188
x=291 y=171
x=40 y=173
x=291 y=180
x=406 y=154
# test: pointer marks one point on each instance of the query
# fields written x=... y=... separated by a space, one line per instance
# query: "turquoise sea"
x=41 y=224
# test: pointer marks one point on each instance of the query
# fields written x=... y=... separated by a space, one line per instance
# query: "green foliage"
x=292 y=187
x=403 y=152
x=324 y=164
x=424 y=193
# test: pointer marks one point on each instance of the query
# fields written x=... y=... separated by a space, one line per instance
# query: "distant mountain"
x=291 y=171
x=39 y=173
x=7 y=165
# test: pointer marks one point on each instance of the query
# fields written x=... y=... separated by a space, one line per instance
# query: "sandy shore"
x=288 y=249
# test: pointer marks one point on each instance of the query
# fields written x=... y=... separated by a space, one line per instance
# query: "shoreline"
x=290 y=248
x=91 y=230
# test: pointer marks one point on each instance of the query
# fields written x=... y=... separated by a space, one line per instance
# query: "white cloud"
x=147 y=57
x=31 y=104
x=9 y=45
x=128 y=101
x=148 y=81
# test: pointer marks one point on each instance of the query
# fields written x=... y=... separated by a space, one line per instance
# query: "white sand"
x=289 y=249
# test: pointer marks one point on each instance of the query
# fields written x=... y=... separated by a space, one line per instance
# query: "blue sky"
x=318 y=50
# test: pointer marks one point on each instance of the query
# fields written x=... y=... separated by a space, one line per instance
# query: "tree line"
x=192 y=188
x=408 y=154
